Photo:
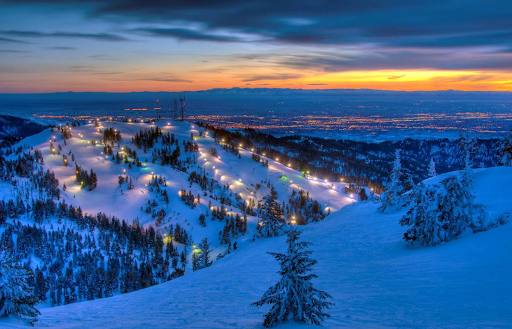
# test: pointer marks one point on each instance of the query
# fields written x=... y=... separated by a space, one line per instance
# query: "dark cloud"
x=93 y=36
x=334 y=21
x=9 y=40
x=272 y=77
x=355 y=34
x=164 y=79
x=61 y=48
x=79 y=68
x=469 y=78
x=102 y=57
x=394 y=77
x=186 y=34
x=431 y=34
x=106 y=73
x=12 y=51
x=404 y=23
x=169 y=80
x=399 y=59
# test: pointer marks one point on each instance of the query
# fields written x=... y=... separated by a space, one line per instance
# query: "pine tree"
x=93 y=180
x=272 y=221
x=457 y=205
x=201 y=255
x=362 y=195
x=294 y=297
x=425 y=218
x=466 y=176
x=202 y=220
x=16 y=297
x=439 y=212
x=394 y=188
x=506 y=150
x=408 y=184
x=432 y=168
x=41 y=288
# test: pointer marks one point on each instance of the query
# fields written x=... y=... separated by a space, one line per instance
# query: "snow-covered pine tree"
x=408 y=186
x=424 y=217
x=439 y=212
x=466 y=176
x=457 y=205
x=432 y=168
x=294 y=297
x=16 y=297
x=271 y=221
x=506 y=150
x=40 y=288
x=394 y=188
x=201 y=255
x=408 y=183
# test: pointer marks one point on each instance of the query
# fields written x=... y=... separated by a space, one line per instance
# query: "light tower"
x=182 y=102
x=157 y=109
x=175 y=110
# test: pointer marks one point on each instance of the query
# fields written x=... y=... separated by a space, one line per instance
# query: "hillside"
x=375 y=279
x=98 y=209
x=14 y=127
x=241 y=174
x=369 y=163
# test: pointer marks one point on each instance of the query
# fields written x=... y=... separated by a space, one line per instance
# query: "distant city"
x=359 y=117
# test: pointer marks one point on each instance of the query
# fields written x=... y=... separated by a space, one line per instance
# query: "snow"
x=243 y=174
x=375 y=279
x=490 y=185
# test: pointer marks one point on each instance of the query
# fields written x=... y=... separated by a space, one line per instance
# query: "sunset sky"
x=158 y=45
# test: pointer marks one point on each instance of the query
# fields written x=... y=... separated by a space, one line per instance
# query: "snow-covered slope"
x=242 y=174
x=375 y=279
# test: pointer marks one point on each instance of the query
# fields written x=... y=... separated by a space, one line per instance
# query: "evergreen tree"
x=93 y=180
x=439 y=212
x=466 y=176
x=16 y=297
x=294 y=297
x=457 y=205
x=41 y=287
x=408 y=184
x=362 y=195
x=394 y=188
x=183 y=260
x=466 y=143
x=432 y=168
x=271 y=221
x=201 y=255
x=506 y=150
x=425 y=218
x=202 y=220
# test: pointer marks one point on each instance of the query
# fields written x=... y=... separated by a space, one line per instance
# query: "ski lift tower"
x=157 y=109
x=182 y=103
x=175 y=110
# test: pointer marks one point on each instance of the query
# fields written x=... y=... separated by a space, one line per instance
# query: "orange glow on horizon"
x=406 y=80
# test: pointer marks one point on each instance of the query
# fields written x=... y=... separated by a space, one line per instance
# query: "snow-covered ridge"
x=15 y=127
x=375 y=279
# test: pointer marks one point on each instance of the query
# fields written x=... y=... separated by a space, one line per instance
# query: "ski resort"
x=255 y=164
x=191 y=230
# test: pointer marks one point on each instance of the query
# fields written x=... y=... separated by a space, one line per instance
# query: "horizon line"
x=249 y=88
